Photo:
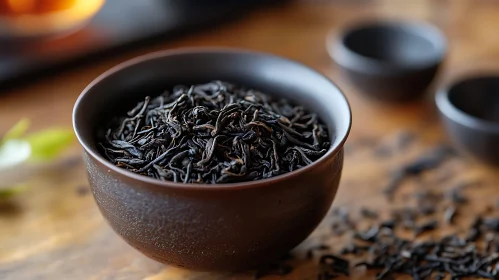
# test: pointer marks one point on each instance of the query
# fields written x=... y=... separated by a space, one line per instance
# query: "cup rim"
x=448 y=109
x=332 y=151
x=348 y=58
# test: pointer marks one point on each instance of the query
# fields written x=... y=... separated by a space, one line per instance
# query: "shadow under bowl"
x=223 y=227
x=470 y=111
x=389 y=60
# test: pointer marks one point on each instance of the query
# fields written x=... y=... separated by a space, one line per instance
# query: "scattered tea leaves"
x=473 y=254
x=449 y=215
x=415 y=168
x=428 y=226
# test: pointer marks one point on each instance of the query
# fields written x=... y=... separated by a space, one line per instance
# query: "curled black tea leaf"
x=368 y=213
x=415 y=168
x=449 y=214
x=428 y=226
x=214 y=133
x=334 y=264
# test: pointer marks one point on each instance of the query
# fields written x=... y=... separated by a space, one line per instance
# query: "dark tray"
x=120 y=24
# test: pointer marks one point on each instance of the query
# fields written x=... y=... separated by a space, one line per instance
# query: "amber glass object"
x=40 y=18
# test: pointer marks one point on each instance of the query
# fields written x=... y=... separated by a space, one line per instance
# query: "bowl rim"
x=448 y=109
x=346 y=57
x=331 y=152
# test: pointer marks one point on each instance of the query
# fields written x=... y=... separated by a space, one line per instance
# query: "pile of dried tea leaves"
x=215 y=133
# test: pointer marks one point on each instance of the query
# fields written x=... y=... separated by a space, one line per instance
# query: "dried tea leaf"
x=47 y=144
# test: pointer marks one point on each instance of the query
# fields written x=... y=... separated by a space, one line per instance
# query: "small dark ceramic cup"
x=389 y=60
x=212 y=227
x=470 y=110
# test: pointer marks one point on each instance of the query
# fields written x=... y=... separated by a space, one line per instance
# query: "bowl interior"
x=477 y=97
x=123 y=86
x=393 y=43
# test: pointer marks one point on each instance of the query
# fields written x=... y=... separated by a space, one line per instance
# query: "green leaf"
x=17 y=131
x=47 y=144
x=14 y=152
x=8 y=192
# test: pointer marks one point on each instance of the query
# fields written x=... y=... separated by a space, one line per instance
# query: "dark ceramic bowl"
x=393 y=60
x=470 y=111
x=212 y=227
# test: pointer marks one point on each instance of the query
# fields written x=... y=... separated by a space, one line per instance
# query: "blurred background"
x=50 y=50
x=46 y=40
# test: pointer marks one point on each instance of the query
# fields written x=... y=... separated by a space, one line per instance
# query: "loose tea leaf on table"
x=214 y=133
x=427 y=162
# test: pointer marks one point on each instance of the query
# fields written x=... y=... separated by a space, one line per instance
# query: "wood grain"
x=55 y=231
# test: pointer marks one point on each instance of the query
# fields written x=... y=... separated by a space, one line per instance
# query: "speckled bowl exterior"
x=223 y=227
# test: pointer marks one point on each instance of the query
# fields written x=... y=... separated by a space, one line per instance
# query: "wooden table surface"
x=55 y=231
